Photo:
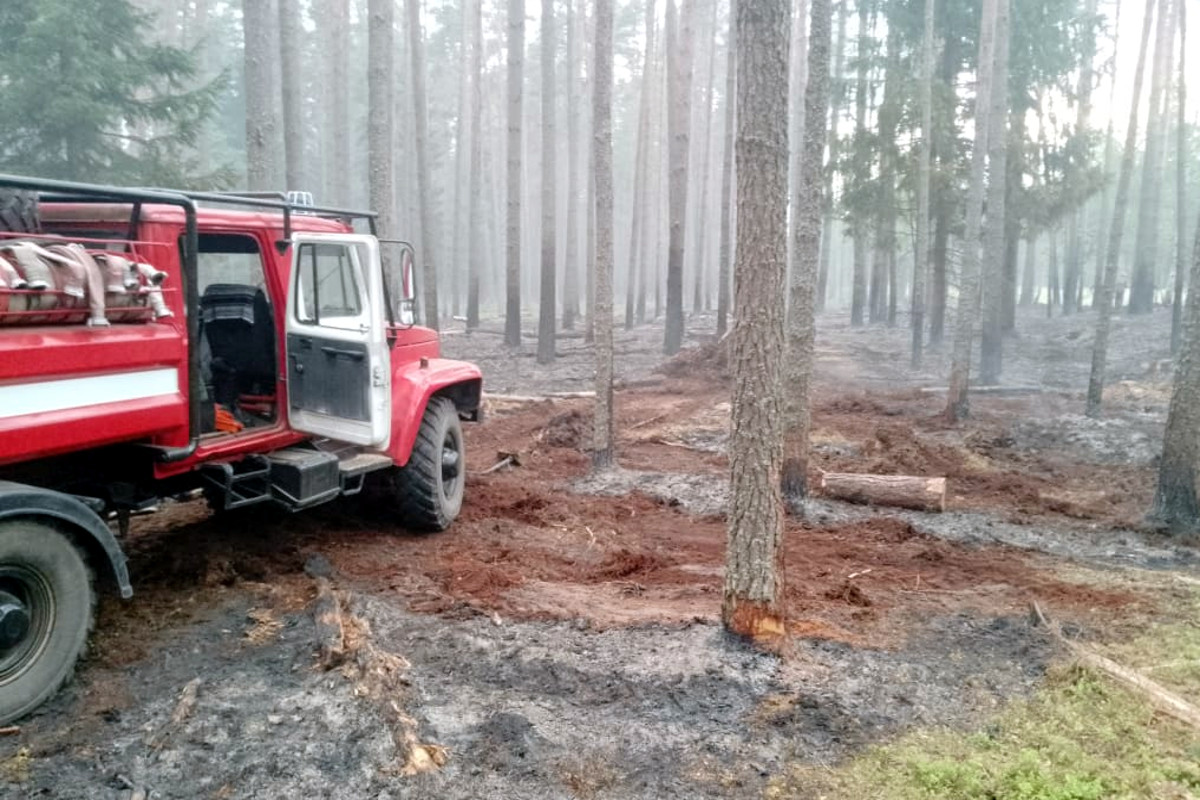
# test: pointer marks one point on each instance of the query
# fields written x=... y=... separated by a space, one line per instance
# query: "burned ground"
x=562 y=640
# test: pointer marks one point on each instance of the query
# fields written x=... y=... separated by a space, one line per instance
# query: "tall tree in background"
x=1073 y=277
x=991 y=356
x=797 y=82
x=1175 y=500
x=547 y=304
x=924 y=146
x=291 y=60
x=724 y=268
x=77 y=77
x=1181 y=152
x=861 y=166
x=475 y=229
x=641 y=179
x=570 y=301
x=336 y=104
x=806 y=243
x=1104 y=212
x=968 y=284
x=1145 y=251
x=679 y=114
x=753 y=560
x=380 y=107
x=429 y=230
x=516 y=69
x=602 y=447
x=837 y=98
x=264 y=137
x=1104 y=299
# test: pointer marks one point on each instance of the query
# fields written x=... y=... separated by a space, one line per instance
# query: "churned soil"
x=563 y=638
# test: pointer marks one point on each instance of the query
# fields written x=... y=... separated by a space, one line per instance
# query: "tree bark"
x=516 y=66
x=944 y=206
x=1116 y=229
x=902 y=491
x=724 y=268
x=1175 y=501
x=475 y=227
x=858 y=297
x=924 y=148
x=602 y=448
x=264 y=139
x=1145 y=251
x=1027 y=276
x=380 y=122
x=838 y=98
x=991 y=355
x=640 y=169
x=806 y=242
x=679 y=55
x=429 y=233
x=1181 y=150
x=291 y=63
x=570 y=300
x=957 y=400
x=796 y=86
x=753 y=568
x=547 y=302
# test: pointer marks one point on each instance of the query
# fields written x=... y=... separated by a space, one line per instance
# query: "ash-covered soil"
x=563 y=639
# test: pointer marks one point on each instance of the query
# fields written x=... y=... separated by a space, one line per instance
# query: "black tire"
x=428 y=491
x=18 y=211
x=43 y=569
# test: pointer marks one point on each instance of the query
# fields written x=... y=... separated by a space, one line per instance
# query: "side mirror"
x=408 y=288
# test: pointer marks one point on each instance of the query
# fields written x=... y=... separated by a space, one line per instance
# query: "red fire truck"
x=158 y=343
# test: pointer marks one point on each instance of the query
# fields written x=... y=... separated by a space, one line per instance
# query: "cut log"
x=902 y=491
x=998 y=391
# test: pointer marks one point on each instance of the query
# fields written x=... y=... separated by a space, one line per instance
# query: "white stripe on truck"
x=39 y=397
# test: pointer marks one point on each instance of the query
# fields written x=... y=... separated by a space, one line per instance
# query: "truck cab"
x=156 y=343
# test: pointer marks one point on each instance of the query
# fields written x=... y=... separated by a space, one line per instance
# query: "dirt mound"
x=569 y=429
x=708 y=360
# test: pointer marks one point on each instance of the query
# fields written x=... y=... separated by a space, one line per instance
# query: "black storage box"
x=303 y=475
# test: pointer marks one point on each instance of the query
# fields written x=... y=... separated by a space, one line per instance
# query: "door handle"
x=357 y=355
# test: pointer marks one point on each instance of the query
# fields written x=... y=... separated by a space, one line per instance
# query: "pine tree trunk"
x=1145 y=252
x=884 y=294
x=291 y=62
x=1175 y=501
x=602 y=448
x=679 y=55
x=967 y=310
x=699 y=255
x=547 y=303
x=516 y=65
x=724 y=268
x=264 y=139
x=806 y=241
x=838 y=99
x=1052 y=273
x=1116 y=229
x=640 y=169
x=336 y=107
x=991 y=352
x=944 y=206
x=429 y=234
x=924 y=147
x=1012 y=220
x=796 y=83
x=858 y=297
x=1027 y=276
x=380 y=123
x=475 y=228
x=1181 y=150
x=753 y=573
x=1073 y=274
x=570 y=300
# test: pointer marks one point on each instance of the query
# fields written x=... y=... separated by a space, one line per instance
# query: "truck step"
x=237 y=484
x=302 y=477
x=355 y=466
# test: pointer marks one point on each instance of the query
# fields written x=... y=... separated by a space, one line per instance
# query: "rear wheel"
x=46 y=607
x=18 y=211
x=428 y=490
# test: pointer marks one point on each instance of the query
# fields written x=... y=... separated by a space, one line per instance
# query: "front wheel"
x=428 y=490
x=46 y=607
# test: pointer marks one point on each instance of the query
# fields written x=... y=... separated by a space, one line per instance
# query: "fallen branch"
x=999 y=391
x=1159 y=696
x=183 y=710
x=646 y=422
x=506 y=460
x=537 y=398
x=902 y=491
x=330 y=633
x=10 y=730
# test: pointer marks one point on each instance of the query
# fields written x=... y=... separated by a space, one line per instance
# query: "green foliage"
x=1080 y=737
x=86 y=97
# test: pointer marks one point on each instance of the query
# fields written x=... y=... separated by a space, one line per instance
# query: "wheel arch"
x=412 y=389
x=76 y=520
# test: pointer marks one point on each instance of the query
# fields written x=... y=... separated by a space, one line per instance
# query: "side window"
x=327 y=290
x=229 y=259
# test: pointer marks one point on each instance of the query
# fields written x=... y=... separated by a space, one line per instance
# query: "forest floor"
x=563 y=640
